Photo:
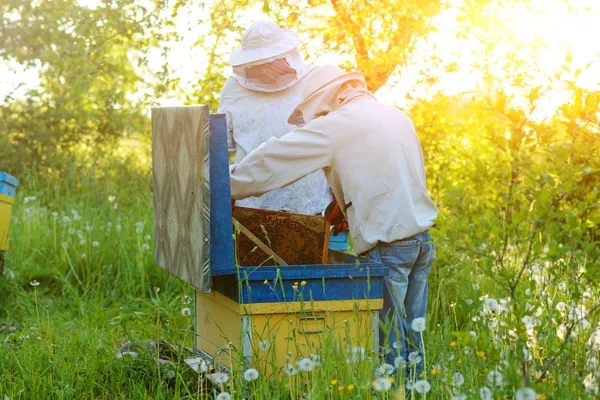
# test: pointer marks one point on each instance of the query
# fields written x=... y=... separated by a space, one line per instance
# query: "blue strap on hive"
x=8 y=184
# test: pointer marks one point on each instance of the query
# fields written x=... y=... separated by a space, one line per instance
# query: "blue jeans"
x=405 y=296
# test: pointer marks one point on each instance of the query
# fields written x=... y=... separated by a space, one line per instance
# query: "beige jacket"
x=370 y=154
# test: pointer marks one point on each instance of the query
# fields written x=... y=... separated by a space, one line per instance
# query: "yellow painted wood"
x=217 y=324
x=289 y=330
x=6 y=203
x=296 y=307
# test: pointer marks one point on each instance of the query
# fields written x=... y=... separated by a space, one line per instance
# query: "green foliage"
x=90 y=62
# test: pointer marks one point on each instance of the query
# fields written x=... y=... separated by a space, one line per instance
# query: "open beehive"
x=256 y=304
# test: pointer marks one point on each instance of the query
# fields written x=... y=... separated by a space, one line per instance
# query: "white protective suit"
x=258 y=98
x=370 y=153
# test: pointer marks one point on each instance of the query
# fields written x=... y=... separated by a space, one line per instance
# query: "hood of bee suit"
x=326 y=89
x=268 y=60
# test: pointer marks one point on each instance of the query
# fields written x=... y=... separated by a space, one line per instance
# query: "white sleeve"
x=280 y=162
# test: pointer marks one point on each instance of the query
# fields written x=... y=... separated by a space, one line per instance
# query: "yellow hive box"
x=268 y=335
x=6 y=203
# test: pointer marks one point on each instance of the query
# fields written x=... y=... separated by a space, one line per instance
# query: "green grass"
x=92 y=255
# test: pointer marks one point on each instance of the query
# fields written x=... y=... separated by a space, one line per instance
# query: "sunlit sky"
x=540 y=34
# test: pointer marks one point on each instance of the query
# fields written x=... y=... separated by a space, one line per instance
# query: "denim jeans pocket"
x=401 y=254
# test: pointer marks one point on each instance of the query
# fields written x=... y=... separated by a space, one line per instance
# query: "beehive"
x=241 y=308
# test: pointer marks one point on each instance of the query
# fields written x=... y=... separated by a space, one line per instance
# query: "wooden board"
x=180 y=156
x=297 y=239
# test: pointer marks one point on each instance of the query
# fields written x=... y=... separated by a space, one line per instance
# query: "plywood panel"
x=180 y=156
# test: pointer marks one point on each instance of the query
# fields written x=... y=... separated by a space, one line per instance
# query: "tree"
x=89 y=61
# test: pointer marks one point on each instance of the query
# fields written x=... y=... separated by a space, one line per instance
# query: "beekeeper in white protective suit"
x=258 y=98
x=373 y=161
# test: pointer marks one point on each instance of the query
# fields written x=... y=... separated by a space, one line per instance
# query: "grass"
x=90 y=248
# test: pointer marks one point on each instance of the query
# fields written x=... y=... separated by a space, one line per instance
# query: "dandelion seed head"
x=414 y=358
x=422 y=386
x=418 y=324
x=306 y=364
x=525 y=393
x=457 y=379
x=95 y=244
x=220 y=378
x=185 y=312
x=186 y=299
x=382 y=385
x=250 y=375
x=485 y=393
x=156 y=290
x=264 y=345
x=384 y=370
x=224 y=396
x=34 y=283
x=495 y=378
x=290 y=370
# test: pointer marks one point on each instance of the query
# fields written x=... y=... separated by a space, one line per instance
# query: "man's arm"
x=280 y=162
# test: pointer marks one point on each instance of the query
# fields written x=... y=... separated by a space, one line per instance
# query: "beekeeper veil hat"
x=267 y=60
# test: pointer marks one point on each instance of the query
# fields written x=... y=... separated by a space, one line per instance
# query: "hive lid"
x=181 y=193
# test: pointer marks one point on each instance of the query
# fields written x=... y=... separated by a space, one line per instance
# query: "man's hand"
x=336 y=218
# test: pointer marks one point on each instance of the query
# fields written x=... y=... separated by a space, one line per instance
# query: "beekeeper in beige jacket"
x=373 y=162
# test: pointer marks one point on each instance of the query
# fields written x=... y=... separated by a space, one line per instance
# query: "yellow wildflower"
x=435 y=372
x=350 y=387
x=303 y=283
x=422 y=375
x=453 y=344
x=295 y=287
x=459 y=362
x=334 y=382
x=391 y=379
x=340 y=388
x=480 y=354
x=363 y=387
x=541 y=397
x=553 y=381
x=266 y=282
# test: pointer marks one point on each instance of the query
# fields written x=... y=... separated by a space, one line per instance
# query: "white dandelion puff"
x=306 y=365
x=34 y=283
x=418 y=324
x=250 y=375
x=95 y=244
x=220 y=378
x=495 y=378
x=457 y=379
x=384 y=370
x=186 y=311
x=414 y=358
x=316 y=359
x=382 y=384
x=224 y=396
x=422 y=386
x=485 y=393
x=525 y=394
x=290 y=370
x=186 y=299
x=156 y=290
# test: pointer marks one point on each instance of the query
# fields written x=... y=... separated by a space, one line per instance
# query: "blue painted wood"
x=221 y=229
x=314 y=290
x=326 y=288
x=317 y=271
x=339 y=241
x=8 y=184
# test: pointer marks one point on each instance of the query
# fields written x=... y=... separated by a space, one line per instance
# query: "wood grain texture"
x=180 y=160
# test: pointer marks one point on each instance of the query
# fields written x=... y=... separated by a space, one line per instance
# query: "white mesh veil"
x=272 y=74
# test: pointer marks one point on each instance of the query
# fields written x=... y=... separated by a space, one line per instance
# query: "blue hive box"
x=8 y=184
